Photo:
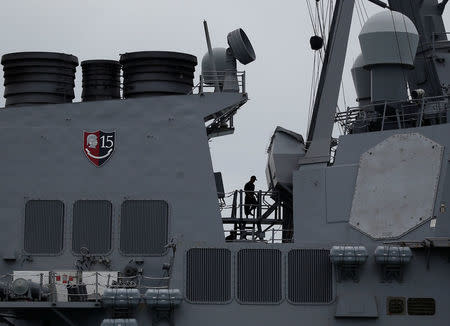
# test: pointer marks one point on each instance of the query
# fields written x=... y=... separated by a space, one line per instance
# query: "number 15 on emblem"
x=98 y=146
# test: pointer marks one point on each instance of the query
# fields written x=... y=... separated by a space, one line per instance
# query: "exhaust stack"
x=101 y=80
x=33 y=78
x=155 y=73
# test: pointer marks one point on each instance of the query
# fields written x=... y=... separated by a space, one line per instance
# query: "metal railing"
x=394 y=115
x=252 y=215
x=264 y=201
x=92 y=286
x=270 y=236
x=221 y=82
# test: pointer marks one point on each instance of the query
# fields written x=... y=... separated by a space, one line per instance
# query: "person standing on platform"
x=250 y=199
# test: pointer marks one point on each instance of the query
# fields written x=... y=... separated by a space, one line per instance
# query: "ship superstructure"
x=112 y=213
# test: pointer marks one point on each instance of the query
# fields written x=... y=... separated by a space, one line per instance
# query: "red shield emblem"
x=99 y=146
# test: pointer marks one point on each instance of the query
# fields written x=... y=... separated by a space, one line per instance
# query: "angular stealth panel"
x=310 y=276
x=144 y=227
x=259 y=276
x=208 y=275
x=396 y=186
x=92 y=226
x=44 y=225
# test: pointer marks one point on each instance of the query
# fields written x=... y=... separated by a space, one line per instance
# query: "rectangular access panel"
x=421 y=306
x=144 y=227
x=259 y=276
x=310 y=276
x=44 y=227
x=92 y=220
x=208 y=275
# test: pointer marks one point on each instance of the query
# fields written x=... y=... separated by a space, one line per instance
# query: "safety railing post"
x=260 y=203
x=41 y=281
x=240 y=203
x=52 y=285
x=140 y=282
x=421 y=112
x=384 y=116
x=96 y=286
x=243 y=83
x=200 y=87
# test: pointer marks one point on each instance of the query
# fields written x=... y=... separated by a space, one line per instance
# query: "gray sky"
x=278 y=81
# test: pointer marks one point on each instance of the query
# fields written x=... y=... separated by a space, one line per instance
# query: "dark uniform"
x=250 y=200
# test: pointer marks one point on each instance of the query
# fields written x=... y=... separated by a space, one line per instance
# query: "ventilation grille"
x=421 y=306
x=310 y=276
x=259 y=275
x=44 y=222
x=92 y=226
x=143 y=227
x=396 y=306
x=208 y=275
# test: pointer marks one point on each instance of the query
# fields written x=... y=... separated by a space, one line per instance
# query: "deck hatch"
x=92 y=226
x=259 y=276
x=310 y=276
x=144 y=227
x=208 y=275
x=44 y=224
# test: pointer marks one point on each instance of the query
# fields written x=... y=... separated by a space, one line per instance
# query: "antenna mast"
x=322 y=120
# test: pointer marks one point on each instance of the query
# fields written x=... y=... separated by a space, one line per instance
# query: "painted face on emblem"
x=92 y=141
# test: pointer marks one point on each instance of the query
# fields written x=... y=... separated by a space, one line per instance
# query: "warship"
x=112 y=212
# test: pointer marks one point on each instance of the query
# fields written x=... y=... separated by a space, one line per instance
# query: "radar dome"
x=224 y=62
x=389 y=37
x=361 y=80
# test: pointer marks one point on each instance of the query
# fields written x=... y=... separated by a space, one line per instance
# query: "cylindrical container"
x=22 y=287
x=154 y=73
x=101 y=80
x=39 y=78
x=121 y=298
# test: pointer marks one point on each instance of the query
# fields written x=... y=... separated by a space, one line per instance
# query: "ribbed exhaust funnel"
x=101 y=80
x=39 y=78
x=154 y=73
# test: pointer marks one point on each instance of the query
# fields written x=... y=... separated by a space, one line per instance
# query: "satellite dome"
x=389 y=37
x=361 y=80
x=224 y=62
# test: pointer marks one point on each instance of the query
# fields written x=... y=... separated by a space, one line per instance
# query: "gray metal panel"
x=44 y=222
x=310 y=276
x=144 y=227
x=390 y=173
x=208 y=275
x=356 y=306
x=259 y=276
x=92 y=226
x=340 y=185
